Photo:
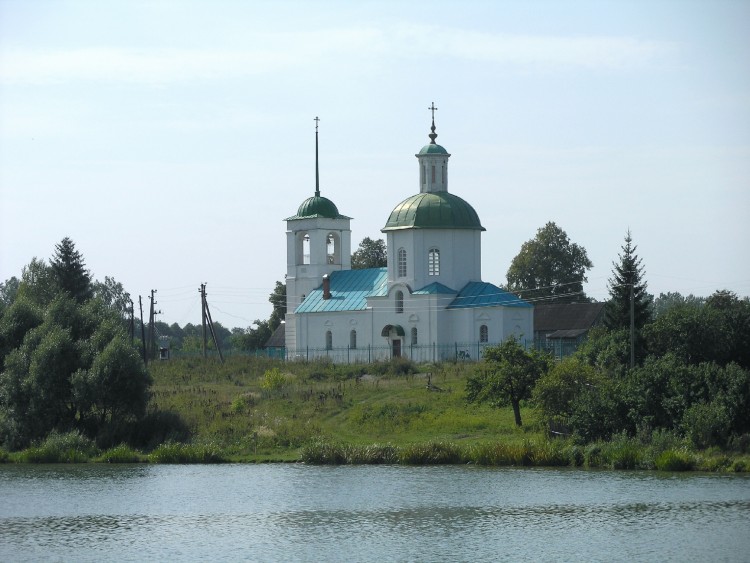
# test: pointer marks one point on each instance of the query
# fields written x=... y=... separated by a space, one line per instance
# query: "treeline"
x=67 y=362
x=691 y=379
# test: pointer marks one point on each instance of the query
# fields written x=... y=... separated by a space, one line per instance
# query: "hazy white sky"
x=169 y=139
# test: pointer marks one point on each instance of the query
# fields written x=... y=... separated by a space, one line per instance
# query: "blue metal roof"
x=435 y=288
x=349 y=291
x=482 y=294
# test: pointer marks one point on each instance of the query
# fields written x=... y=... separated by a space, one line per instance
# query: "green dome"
x=433 y=149
x=317 y=206
x=435 y=210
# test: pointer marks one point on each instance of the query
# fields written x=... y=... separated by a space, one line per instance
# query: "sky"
x=170 y=139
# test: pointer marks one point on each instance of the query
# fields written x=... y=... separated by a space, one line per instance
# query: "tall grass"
x=71 y=447
x=175 y=452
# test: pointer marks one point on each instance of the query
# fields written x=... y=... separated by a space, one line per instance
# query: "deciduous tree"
x=550 y=268
x=506 y=375
x=370 y=254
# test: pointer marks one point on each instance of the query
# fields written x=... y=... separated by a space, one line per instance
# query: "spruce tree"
x=626 y=274
x=70 y=271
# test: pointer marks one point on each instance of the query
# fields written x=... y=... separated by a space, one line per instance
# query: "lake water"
x=368 y=513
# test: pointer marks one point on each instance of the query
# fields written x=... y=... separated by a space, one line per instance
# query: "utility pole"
x=632 y=326
x=143 y=332
x=202 y=291
x=152 y=327
x=132 y=323
x=207 y=321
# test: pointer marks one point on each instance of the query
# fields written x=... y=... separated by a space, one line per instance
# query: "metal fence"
x=422 y=353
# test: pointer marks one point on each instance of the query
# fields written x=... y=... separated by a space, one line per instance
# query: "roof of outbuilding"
x=567 y=316
x=349 y=291
x=433 y=210
x=277 y=338
x=483 y=294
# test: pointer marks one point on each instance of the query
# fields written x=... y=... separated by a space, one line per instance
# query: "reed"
x=71 y=447
x=121 y=454
x=674 y=460
x=175 y=452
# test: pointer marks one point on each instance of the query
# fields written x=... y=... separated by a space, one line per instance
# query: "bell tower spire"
x=317 y=175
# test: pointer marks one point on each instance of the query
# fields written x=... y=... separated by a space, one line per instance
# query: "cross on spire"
x=432 y=135
x=317 y=175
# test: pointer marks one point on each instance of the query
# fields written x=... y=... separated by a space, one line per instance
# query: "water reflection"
x=295 y=512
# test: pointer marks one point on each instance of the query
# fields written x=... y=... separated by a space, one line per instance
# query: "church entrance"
x=396 y=348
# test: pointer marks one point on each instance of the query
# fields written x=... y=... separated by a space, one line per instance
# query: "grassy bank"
x=258 y=410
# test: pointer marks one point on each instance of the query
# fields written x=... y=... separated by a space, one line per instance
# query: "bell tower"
x=318 y=242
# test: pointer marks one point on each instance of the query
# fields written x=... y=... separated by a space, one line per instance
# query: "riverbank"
x=255 y=410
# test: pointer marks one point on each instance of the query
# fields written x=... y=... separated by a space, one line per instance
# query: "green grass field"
x=235 y=406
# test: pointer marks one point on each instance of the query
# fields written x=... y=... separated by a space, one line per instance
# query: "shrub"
x=273 y=380
x=706 y=424
x=3 y=456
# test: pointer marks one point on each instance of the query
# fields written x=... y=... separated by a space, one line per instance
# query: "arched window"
x=306 y=249
x=414 y=336
x=433 y=173
x=484 y=334
x=332 y=249
x=424 y=174
x=402 y=262
x=433 y=262
x=399 y=301
x=353 y=339
x=329 y=340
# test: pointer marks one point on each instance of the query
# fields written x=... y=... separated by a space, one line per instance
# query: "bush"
x=71 y=447
x=706 y=425
x=273 y=380
x=323 y=452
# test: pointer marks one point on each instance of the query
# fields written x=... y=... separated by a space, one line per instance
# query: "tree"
x=549 y=267
x=627 y=274
x=626 y=285
x=666 y=301
x=70 y=271
x=8 y=292
x=278 y=300
x=507 y=374
x=370 y=254
x=113 y=295
x=38 y=283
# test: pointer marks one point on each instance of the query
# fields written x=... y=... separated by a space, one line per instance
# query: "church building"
x=428 y=304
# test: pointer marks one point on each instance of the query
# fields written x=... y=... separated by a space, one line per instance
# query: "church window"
x=414 y=336
x=442 y=174
x=424 y=175
x=399 y=301
x=484 y=334
x=353 y=339
x=433 y=262
x=433 y=173
x=306 y=249
x=401 y=262
x=329 y=340
x=331 y=249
